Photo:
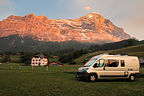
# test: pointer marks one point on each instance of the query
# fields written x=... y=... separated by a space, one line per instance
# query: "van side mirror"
x=95 y=65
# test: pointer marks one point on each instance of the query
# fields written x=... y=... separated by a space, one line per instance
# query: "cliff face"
x=90 y=28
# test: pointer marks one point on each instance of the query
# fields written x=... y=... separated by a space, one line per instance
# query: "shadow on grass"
x=142 y=75
x=104 y=80
x=108 y=80
x=70 y=72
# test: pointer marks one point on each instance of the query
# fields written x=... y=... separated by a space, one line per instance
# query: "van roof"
x=122 y=57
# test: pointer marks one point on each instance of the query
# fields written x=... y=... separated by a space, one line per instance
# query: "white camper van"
x=106 y=66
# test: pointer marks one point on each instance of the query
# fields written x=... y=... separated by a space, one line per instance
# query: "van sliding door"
x=112 y=69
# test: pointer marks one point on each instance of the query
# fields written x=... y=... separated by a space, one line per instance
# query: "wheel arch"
x=93 y=74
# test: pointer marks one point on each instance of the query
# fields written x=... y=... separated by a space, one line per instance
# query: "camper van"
x=107 y=66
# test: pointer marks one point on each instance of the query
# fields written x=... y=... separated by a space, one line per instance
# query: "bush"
x=72 y=62
x=5 y=59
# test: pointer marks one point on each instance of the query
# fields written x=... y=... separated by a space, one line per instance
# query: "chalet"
x=53 y=63
x=39 y=60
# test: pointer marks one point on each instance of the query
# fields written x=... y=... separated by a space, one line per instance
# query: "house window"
x=122 y=63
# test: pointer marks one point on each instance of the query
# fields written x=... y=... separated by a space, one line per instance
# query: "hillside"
x=89 y=28
x=137 y=50
x=16 y=44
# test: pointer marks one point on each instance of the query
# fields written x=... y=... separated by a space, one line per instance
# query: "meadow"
x=61 y=81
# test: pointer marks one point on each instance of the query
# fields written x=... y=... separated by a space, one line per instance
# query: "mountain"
x=15 y=43
x=90 y=28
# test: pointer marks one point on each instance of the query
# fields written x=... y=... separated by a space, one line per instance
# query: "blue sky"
x=127 y=14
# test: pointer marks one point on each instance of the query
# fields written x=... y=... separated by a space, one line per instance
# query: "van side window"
x=112 y=63
x=106 y=62
x=122 y=63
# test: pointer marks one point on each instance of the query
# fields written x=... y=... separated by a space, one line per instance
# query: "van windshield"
x=92 y=60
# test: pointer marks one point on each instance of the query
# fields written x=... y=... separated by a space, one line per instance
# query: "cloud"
x=4 y=2
x=87 y=8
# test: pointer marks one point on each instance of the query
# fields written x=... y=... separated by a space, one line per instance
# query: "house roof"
x=53 y=62
x=39 y=56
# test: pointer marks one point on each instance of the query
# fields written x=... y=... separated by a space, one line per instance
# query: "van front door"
x=98 y=67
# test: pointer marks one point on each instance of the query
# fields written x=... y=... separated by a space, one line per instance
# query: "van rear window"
x=122 y=63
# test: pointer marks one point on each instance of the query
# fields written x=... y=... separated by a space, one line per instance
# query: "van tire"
x=92 y=77
x=132 y=77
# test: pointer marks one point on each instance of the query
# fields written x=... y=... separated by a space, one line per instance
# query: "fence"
x=19 y=67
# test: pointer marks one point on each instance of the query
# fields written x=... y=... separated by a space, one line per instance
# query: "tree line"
x=69 y=54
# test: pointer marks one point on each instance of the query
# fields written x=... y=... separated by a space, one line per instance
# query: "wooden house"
x=39 y=60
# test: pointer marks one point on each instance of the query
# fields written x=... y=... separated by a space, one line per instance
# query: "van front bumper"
x=82 y=75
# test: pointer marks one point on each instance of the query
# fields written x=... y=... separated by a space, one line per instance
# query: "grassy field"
x=58 y=81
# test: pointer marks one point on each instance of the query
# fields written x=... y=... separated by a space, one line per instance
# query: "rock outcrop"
x=90 y=28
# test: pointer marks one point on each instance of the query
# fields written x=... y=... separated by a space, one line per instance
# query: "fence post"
x=19 y=66
x=46 y=68
x=64 y=68
x=11 y=67
x=32 y=68
x=71 y=68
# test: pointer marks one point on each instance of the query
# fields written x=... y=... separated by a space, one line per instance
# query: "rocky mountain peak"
x=89 y=28
x=12 y=17
x=93 y=15
x=30 y=15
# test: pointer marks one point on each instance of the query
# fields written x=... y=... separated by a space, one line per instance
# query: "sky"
x=127 y=14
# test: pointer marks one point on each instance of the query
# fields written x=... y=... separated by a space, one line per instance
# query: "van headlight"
x=82 y=69
x=85 y=69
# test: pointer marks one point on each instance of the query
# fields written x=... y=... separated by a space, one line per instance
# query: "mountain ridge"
x=89 y=28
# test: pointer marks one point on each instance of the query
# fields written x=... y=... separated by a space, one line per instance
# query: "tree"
x=26 y=58
x=5 y=58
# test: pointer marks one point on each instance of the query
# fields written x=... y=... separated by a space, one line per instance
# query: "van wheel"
x=92 y=77
x=131 y=77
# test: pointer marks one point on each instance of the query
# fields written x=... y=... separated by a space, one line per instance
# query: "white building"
x=39 y=60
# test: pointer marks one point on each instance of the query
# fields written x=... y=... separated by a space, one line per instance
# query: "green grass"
x=137 y=50
x=53 y=59
x=39 y=82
